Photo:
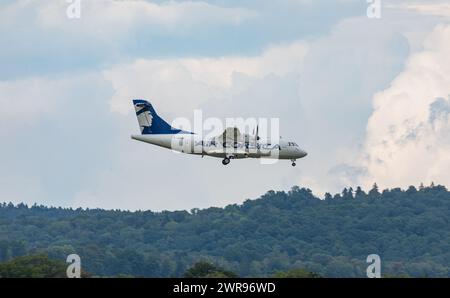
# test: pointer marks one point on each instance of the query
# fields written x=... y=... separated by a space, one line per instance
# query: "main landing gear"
x=225 y=161
x=293 y=163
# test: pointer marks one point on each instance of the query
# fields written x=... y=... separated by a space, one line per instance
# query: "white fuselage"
x=193 y=144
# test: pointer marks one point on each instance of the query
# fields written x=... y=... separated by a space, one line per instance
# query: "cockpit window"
x=292 y=144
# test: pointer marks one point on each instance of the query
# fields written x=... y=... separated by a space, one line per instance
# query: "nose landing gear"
x=225 y=161
x=293 y=163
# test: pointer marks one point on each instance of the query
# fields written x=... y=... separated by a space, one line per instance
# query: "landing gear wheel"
x=225 y=161
x=294 y=164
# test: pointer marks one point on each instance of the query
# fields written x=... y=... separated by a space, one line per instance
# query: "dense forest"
x=279 y=232
x=35 y=266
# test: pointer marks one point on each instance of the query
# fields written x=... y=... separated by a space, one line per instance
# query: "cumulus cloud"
x=159 y=179
x=75 y=115
x=184 y=84
x=25 y=101
x=341 y=73
x=280 y=82
x=121 y=15
x=309 y=86
x=435 y=8
x=408 y=133
x=57 y=133
x=45 y=40
x=78 y=149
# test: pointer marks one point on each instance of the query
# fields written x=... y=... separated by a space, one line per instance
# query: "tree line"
x=280 y=232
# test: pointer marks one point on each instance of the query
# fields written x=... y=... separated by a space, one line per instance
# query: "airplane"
x=231 y=144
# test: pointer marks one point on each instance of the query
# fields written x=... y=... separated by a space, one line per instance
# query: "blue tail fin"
x=150 y=122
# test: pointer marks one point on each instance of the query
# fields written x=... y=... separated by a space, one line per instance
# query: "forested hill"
x=409 y=230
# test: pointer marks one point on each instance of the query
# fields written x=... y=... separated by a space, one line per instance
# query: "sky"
x=367 y=97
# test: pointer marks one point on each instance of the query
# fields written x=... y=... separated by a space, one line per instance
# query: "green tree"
x=374 y=192
x=278 y=231
x=36 y=266
x=296 y=273
x=359 y=193
x=205 y=269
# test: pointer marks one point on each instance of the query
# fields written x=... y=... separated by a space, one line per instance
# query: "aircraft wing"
x=230 y=135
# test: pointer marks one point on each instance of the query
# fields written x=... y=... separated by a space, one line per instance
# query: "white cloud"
x=50 y=129
x=269 y=85
x=146 y=176
x=118 y=17
x=158 y=179
x=438 y=8
x=341 y=73
x=184 y=84
x=41 y=39
x=321 y=90
x=26 y=100
x=408 y=133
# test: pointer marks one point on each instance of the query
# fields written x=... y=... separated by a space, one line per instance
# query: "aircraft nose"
x=303 y=153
